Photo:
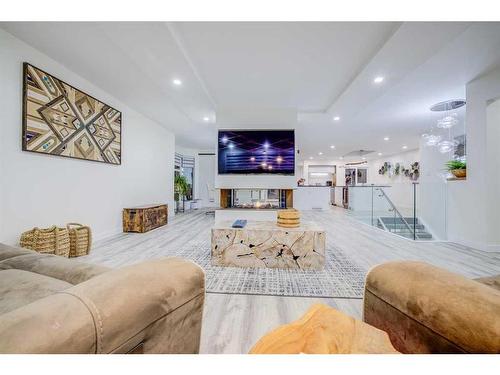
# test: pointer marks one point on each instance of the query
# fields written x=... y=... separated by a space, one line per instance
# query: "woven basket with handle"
x=51 y=240
x=80 y=239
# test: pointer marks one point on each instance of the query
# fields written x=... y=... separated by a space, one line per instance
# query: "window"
x=184 y=166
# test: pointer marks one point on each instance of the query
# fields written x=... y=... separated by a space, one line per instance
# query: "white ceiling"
x=290 y=64
x=320 y=69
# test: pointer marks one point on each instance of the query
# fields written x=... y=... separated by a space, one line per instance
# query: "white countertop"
x=312 y=197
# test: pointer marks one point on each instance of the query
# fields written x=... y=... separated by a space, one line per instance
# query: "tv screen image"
x=256 y=152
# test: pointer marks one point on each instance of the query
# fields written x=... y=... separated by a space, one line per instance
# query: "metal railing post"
x=414 y=211
x=372 y=207
x=401 y=217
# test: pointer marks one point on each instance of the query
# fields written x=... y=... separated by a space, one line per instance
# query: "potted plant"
x=181 y=188
x=457 y=167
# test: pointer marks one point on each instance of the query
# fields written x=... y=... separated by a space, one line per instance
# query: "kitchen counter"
x=312 y=197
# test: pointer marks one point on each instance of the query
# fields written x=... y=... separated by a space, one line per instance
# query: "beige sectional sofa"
x=50 y=304
x=426 y=309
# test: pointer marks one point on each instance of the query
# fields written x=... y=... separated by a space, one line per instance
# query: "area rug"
x=341 y=278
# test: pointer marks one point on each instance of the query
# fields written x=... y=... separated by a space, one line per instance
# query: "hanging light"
x=431 y=139
x=447 y=146
x=447 y=121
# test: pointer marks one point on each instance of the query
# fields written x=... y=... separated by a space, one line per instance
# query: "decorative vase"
x=459 y=173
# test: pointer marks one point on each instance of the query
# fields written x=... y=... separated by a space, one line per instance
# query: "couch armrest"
x=156 y=305
x=425 y=309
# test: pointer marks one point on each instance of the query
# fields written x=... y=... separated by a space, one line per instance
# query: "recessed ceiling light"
x=320 y=153
x=177 y=81
x=386 y=138
x=332 y=147
x=378 y=79
x=336 y=118
x=341 y=158
x=311 y=158
x=206 y=119
x=363 y=158
x=404 y=147
x=379 y=154
x=231 y=145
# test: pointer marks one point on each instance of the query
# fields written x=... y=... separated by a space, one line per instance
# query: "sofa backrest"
x=69 y=270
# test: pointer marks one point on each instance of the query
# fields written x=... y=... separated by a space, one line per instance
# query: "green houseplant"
x=457 y=167
x=181 y=188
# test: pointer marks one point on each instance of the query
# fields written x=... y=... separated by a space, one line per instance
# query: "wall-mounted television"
x=256 y=152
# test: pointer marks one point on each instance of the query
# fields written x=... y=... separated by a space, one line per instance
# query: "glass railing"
x=390 y=208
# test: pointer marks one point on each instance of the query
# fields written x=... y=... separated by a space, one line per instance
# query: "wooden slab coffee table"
x=324 y=330
x=265 y=244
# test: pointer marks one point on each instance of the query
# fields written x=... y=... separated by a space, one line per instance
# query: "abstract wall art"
x=59 y=119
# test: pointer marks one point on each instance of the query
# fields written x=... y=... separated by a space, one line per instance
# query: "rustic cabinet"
x=144 y=218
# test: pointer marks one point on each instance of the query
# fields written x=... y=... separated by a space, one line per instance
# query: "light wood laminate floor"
x=233 y=323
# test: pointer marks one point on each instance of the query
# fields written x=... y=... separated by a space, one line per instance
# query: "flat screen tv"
x=256 y=152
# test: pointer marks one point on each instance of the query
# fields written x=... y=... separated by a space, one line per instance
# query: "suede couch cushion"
x=136 y=295
x=26 y=275
x=7 y=252
x=19 y=288
x=450 y=306
x=69 y=270
x=157 y=305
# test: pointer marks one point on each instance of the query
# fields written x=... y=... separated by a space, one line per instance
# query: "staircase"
x=404 y=227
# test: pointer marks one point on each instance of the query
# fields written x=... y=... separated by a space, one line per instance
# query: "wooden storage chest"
x=144 y=218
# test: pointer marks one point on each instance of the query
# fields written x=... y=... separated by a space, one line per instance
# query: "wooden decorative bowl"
x=289 y=213
x=289 y=218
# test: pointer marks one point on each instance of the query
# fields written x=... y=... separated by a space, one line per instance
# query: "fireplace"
x=262 y=199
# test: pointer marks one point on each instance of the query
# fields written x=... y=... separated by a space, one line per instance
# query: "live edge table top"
x=265 y=244
x=268 y=225
x=145 y=207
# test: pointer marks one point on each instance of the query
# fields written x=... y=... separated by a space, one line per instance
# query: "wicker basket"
x=51 y=240
x=80 y=238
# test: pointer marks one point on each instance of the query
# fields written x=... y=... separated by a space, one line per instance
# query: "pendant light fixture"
x=447 y=146
x=431 y=139
x=448 y=121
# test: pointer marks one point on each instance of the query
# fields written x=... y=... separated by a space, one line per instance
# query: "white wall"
x=327 y=170
x=204 y=173
x=41 y=190
x=403 y=158
x=207 y=165
x=401 y=190
x=471 y=204
x=493 y=139
x=254 y=119
x=433 y=190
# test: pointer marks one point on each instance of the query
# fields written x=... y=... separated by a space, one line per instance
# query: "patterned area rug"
x=341 y=278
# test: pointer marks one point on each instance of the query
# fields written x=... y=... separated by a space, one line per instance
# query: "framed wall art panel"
x=59 y=119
